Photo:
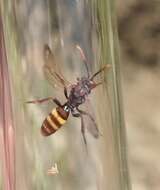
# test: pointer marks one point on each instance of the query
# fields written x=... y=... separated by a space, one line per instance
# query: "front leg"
x=84 y=59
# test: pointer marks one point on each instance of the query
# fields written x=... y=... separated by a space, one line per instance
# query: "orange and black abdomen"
x=54 y=121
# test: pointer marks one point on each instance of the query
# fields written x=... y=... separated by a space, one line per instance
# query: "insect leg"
x=65 y=92
x=83 y=130
x=96 y=135
x=39 y=101
x=102 y=69
x=86 y=113
x=84 y=59
x=96 y=84
x=82 y=126
x=76 y=114
x=57 y=102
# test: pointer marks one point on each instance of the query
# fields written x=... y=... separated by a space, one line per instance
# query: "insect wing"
x=52 y=70
x=90 y=119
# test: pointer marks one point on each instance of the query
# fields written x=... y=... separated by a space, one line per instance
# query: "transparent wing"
x=90 y=119
x=52 y=69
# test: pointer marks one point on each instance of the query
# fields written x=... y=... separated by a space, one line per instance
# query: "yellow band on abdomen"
x=52 y=123
x=58 y=117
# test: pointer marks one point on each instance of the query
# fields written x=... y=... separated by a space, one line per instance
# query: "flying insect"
x=75 y=93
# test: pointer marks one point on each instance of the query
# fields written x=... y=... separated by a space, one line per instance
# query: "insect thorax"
x=79 y=93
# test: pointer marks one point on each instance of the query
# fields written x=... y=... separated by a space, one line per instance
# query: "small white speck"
x=53 y=170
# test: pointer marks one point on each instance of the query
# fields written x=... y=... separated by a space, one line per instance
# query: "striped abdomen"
x=54 y=121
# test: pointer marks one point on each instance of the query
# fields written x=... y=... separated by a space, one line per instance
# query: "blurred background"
x=139 y=34
x=138 y=29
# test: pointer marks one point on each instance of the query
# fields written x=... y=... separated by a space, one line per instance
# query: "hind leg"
x=82 y=126
x=66 y=93
x=39 y=101
x=95 y=131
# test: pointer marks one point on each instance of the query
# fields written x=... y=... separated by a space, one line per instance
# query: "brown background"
x=139 y=33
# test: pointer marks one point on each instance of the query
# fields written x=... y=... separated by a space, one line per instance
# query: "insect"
x=75 y=97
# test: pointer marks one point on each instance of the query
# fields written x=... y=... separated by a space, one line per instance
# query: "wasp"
x=76 y=95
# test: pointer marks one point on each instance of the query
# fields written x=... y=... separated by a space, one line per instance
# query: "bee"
x=75 y=97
